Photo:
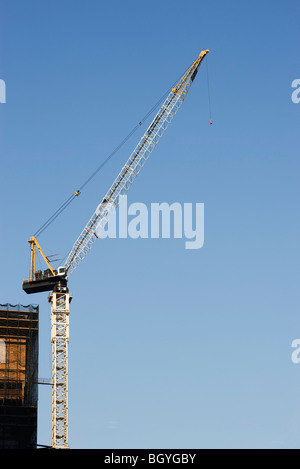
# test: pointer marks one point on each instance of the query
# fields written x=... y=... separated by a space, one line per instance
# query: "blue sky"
x=169 y=348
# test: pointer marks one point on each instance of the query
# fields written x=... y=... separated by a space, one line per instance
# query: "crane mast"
x=60 y=307
x=57 y=281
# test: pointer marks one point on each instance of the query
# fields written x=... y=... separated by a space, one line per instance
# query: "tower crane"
x=56 y=281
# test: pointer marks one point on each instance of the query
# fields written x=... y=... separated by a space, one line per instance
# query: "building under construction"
x=18 y=376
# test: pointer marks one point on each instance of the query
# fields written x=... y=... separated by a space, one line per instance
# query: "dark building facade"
x=18 y=376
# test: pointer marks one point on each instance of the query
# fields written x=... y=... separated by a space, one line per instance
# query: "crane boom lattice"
x=132 y=167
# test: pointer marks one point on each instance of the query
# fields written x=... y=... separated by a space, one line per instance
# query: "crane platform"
x=43 y=282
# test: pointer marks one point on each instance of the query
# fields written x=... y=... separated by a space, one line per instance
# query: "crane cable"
x=55 y=215
x=78 y=192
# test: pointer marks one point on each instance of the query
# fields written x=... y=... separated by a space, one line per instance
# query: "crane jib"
x=133 y=166
x=127 y=168
x=149 y=131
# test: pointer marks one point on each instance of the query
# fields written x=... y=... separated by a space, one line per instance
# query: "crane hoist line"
x=56 y=280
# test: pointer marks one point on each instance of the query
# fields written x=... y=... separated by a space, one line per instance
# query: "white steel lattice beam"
x=60 y=300
x=133 y=166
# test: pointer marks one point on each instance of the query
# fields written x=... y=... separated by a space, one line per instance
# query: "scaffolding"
x=18 y=375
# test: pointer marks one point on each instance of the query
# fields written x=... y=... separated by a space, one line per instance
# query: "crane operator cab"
x=61 y=271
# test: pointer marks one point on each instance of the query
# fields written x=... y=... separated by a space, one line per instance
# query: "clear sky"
x=169 y=348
